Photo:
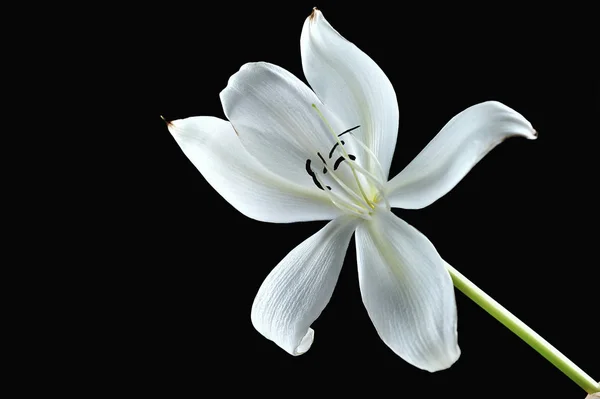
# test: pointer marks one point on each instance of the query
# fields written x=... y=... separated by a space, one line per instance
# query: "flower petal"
x=271 y=110
x=463 y=142
x=407 y=292
x=297 y=290
x=213 y=147
x=353 y=86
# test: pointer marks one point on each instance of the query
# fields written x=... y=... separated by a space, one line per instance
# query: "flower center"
x=349 y=186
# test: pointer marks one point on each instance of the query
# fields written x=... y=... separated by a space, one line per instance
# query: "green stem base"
x=524 y=332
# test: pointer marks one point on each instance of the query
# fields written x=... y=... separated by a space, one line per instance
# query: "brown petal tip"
x=313 y=15
x=166 y=121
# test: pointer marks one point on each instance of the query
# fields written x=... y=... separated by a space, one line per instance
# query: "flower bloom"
x=288 y=153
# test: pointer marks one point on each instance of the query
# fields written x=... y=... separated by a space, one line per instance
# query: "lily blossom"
x=288 y=154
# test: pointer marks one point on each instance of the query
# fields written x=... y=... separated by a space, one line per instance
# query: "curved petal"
x=467 y=138
x=272 y=112
x=353 y=86
x=407 y=292
x=213 y=147
x=296 y=291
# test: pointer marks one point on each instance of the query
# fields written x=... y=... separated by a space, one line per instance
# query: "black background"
x=521 y=225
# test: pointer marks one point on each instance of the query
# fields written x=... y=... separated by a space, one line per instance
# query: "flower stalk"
x=523 y=331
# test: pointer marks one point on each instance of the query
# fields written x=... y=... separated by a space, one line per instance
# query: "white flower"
x=283 y=157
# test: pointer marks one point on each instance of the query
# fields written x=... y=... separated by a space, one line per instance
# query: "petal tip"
x=305 y=343
x=168 y=123
x=529 y=134
x=444 y=362
x=171 y=126
x=314 y=14
x=534 y=135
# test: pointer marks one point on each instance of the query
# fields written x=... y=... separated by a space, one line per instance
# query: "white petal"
x=353 y=86
x=296 y=291
x=271 y=110
x=213 y=147
x=407 y=292
x=463 y=142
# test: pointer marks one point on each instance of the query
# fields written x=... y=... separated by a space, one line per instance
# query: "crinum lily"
x=290 y=154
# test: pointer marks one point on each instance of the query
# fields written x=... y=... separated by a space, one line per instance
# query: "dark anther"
x=335 y=145
x=308 y=169
x=320 y=156
x=341 y=159
x=324 y=163
x=317 y=182
x=314 y=177
x=349 y=130
x=338 y=162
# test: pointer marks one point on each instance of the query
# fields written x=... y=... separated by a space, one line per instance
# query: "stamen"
x=314 y=176
x=348 y=131
x=320 y=156
x=308 y=169
x=362 y=192
x=346 y=206
x=324 y=163
x=349 y=191
x=340 y=159
x=335 y=145
x=367 y=174
x=372 y=155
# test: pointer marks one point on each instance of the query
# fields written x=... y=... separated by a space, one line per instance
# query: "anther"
x=314 y=177
x=318 y=184
x=341 y=159
x=308 y=169
x=324 y=163
x=335 y=145
x=348 y=131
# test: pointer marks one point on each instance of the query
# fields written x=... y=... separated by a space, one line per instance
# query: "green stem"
x=515 y=325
